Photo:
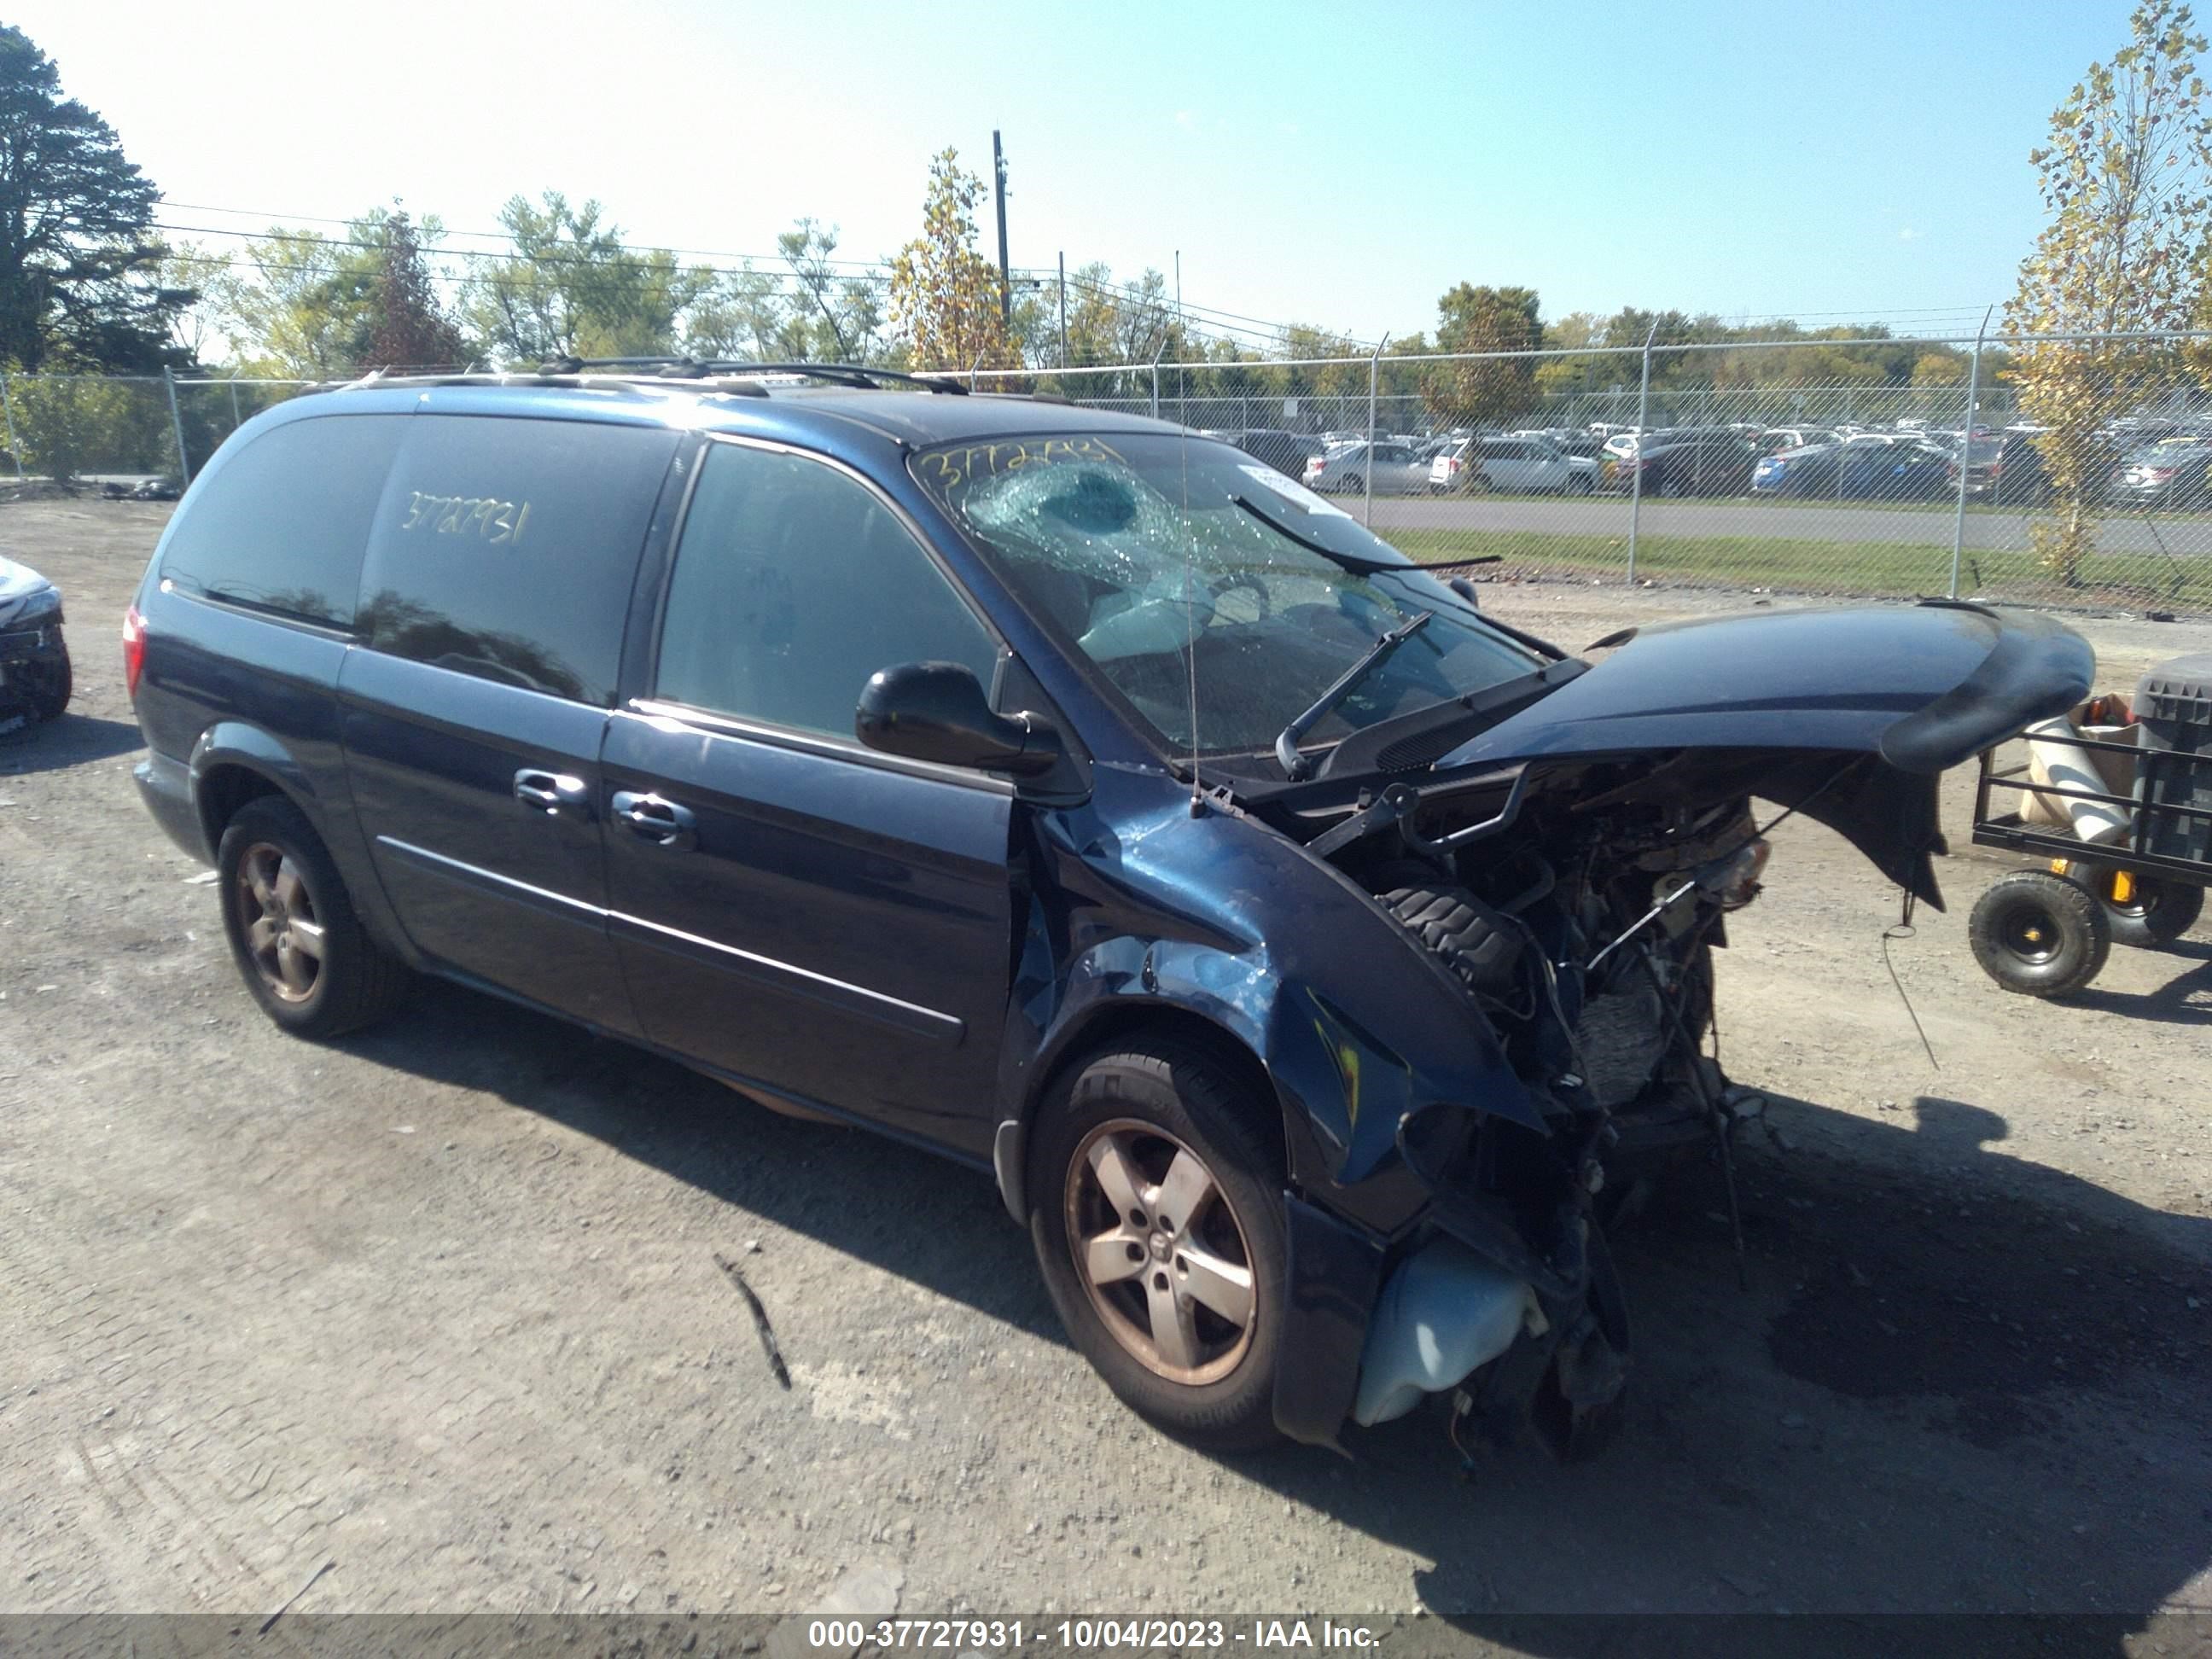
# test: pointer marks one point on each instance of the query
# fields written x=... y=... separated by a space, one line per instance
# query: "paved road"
x=1608 y=515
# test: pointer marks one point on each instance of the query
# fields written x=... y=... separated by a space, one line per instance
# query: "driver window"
x=793 y=585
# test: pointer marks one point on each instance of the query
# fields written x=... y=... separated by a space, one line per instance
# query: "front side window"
x=1169 y=562
x=793 y=584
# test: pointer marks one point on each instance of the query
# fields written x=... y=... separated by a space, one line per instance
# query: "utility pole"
x=1006 y=278
x=1063 y=307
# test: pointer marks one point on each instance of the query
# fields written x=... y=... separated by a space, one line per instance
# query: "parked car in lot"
x=1689 y=462
x=1862 y=469
x=1286 y=452
x=2174 y=473
x=1395 y=469
x=2010 y=468
x=1050 y=788
x=35 y=659
x=1521 y=465
x=1776 y=439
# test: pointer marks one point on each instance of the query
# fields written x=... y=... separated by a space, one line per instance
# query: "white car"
x=1522 y=465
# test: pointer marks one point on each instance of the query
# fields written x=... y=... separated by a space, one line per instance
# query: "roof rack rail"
x=701 y=369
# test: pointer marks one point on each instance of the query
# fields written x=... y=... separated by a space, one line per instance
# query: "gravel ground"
x=439 y=1304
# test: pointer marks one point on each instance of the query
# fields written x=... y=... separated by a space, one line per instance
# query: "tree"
x=2123 y=181
x=572 y=287
x=409 y=329
x=944 y=294
x=1493 y=319
x=297 y=302
x=80 y=269
x=838 y=319
x=191 y=268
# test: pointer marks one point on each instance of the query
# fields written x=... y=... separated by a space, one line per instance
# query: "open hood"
x=1769 y=704
x=1925 y=687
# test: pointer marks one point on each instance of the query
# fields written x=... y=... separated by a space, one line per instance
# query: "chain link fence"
x=125 y=430
x=1900 y=468
x=2067 y=471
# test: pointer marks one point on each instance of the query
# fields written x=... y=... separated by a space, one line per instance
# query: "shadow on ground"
x=57 y=745
x=1960 y=1381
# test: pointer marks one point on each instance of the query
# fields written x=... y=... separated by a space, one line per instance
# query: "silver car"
x=1396 y=468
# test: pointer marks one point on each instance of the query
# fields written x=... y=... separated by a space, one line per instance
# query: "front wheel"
x=1155 y=1208
x=46 y=684
x=2039 y=934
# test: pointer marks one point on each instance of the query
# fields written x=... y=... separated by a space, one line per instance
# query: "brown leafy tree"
x=1487 y=390
x=2123 y=181
x=411 y=329
x=943 y=293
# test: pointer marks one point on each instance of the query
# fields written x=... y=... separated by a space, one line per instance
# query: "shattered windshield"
x=1174 y=564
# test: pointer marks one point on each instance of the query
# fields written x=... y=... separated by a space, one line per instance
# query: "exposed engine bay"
x=1579 y=904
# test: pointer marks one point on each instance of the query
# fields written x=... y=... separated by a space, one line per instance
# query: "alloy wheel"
x=1160 y=1252
x=284 y=935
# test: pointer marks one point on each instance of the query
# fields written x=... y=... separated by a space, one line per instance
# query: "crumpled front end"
x=1574 y=867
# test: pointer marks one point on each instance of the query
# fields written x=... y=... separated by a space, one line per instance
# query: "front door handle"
x=556 y=794
x=662 y=823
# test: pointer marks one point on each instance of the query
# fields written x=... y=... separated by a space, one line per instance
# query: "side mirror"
x=937 y=711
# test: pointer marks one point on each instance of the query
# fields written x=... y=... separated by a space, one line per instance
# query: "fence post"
x=233 y=400
x=8 y=408
x=1157 y=356
x=1966 y=450
x=1374 y=364
x=1636 y=478
x=177 y=426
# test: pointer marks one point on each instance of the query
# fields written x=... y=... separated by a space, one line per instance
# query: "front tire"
x=2040 y=934
x=1156 y=1186
x=292 y=930
x=48 y=682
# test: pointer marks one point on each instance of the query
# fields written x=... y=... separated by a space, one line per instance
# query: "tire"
x=2155 y=915
x=1580 y=485
x=277 y=879
x=48 y=682
x=2040 y=934
x=1351 y=484
x=1480 y=948
x=1670 y=487
x=1149 y=1105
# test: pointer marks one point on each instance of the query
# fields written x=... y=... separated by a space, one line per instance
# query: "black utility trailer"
x=2045 y=930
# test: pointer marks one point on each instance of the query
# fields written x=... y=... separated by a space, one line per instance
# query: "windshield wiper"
x=1286 y=745
x=1356 y=563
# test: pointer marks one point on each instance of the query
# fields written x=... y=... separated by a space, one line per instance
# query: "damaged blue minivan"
x=1305 y=952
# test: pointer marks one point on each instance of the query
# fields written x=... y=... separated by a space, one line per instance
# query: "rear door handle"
x=554 y=793
x=661 y=822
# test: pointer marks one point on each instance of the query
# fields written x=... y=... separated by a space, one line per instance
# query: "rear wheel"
x=2040 y=934
x=2144 y=912
x=1155 y=1208
x=1351 y=484
x=292 y=930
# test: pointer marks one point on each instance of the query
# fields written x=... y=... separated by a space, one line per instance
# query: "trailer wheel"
x=2040 y=934
x=2145 y=912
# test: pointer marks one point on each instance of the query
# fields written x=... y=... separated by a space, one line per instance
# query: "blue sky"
x=1338 y=164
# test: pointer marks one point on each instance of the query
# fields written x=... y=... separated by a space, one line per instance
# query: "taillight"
x=134 y=650
x=1452 y=464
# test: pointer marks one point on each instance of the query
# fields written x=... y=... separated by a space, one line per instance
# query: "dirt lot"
x=439 y=1304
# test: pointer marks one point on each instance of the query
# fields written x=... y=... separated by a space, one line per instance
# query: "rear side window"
x=280 y=524
x=506 y=549
x=793 y=584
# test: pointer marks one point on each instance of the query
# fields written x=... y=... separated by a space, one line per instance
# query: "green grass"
x=1816 y=566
